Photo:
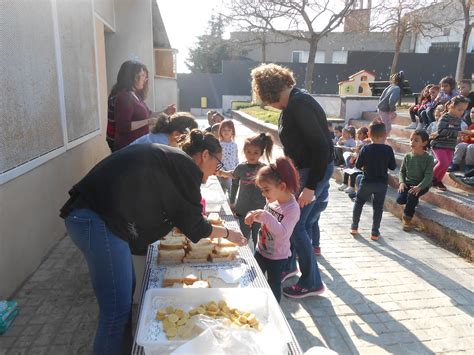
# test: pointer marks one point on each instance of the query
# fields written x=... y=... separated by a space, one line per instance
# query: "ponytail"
x=264 y=141
x=282 y=171
x=197 y=141
x=179 y=121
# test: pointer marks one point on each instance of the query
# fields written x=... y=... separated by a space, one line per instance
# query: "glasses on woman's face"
x=220 y=164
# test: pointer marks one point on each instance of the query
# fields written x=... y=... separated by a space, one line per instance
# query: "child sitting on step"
x=345 y=144
x=446 y=138
x=374 y=159
x=416 y=174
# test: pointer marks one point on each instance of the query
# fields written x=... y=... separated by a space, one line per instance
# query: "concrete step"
x=402 y=119
x=451 y=230
x=399 y=144
x=454 y=200
x=397 y=130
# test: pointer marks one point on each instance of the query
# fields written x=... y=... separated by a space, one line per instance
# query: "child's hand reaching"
x=402 y=187
x=250 y=217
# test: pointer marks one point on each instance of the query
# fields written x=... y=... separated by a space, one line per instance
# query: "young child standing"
x=416 y=174
x=278 y=182
x=374 y=159
x=446 y=138
x=243 y=180
x=388 y=100
x=230 y=154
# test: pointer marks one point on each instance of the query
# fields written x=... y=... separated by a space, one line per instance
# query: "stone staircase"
x=446 y=216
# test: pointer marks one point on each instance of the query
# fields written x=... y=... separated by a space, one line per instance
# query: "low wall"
x=331 y=104
x=353 y=106
x=257 y=125
x=227 y=100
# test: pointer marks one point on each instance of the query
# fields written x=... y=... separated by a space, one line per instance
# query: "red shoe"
x=317 y=251
x=296 y=291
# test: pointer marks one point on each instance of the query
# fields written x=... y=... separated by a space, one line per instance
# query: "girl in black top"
x=128 y=201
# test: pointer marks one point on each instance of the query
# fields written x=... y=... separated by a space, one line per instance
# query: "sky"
x=185 y=20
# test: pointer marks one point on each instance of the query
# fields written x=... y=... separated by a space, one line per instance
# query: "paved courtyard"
x=402 y=294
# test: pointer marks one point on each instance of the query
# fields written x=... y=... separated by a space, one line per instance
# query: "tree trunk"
x=462 y=53
x=264 y=49
x=396 y=57
x=308 y=78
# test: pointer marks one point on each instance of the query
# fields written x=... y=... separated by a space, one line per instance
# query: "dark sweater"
x=375 y=159
x=141 y=192
x=304 y=133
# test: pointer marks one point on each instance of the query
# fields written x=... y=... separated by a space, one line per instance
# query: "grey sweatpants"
x=464 y=151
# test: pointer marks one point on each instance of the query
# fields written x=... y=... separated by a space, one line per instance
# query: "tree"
x=211 y=49
x=301 y=17
x=401 y=17
x=468 y=20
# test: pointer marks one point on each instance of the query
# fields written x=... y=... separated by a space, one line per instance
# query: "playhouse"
x=358 y=84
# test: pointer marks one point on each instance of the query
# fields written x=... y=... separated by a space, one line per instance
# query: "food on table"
x=171 y=256
x=217 y=282
x=180 y=274
x=214 y=218
x=223 y=242
x=171 y=243
x=176 y=321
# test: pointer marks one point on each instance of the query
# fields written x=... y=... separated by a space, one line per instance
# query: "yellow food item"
x=175 y=321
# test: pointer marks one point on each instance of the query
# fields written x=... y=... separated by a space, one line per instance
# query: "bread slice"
x=214 y=218
x=200 y=260
x=171 y=244
x=216 y=282
x=225 y=251
x=223 y=242
x=181 y=238
x=218 y=259
x=170 y=256
x=182 y=273
x=200 y=284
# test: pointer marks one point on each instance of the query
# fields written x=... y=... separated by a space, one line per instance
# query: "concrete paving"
x=401 y=294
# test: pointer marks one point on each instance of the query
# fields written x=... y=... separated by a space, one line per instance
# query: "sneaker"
x=412 y=125
x=440 y=186
x=375 y=237
x=342 y=187
x=453 y=167
x=296 y=291
x=349 y=190
x=317 y=251
x=286 y=275
x=468 y=167
x=420 y=126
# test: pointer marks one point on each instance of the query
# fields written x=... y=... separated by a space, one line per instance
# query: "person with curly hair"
x=304 y=134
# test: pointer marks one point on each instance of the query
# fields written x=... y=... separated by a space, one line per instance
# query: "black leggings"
x=351 y=178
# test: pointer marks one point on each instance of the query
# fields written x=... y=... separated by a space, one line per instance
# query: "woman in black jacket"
x=304 y=134
x=126 y=202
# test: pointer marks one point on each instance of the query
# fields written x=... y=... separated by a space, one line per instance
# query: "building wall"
x=132 y=40
x=279 y=48
x=420 y=69
x=166 y=92
x=58 y=63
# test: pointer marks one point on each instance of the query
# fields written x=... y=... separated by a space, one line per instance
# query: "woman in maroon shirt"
x=131 y=115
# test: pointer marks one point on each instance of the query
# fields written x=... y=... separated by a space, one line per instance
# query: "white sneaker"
x=342 y=187
x=349 y=189
x=419 y=126
x=412 y=125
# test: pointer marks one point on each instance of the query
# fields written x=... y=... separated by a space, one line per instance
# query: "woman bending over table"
x=128 y=201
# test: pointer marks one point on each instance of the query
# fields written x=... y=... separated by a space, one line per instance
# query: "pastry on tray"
x=171 y=256
x=214 y=218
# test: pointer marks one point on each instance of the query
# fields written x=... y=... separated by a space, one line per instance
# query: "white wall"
x=227 y=100
x=331 y=104
x=353 y=106
x=166 y=92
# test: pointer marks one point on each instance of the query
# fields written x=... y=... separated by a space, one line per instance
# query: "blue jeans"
x=312 y=225
x=301 y=239
x=378 y=190
x=273 y=268
x=113 y=278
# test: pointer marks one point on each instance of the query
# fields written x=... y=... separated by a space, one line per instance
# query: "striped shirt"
x=448 y=129
x=417 y=170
